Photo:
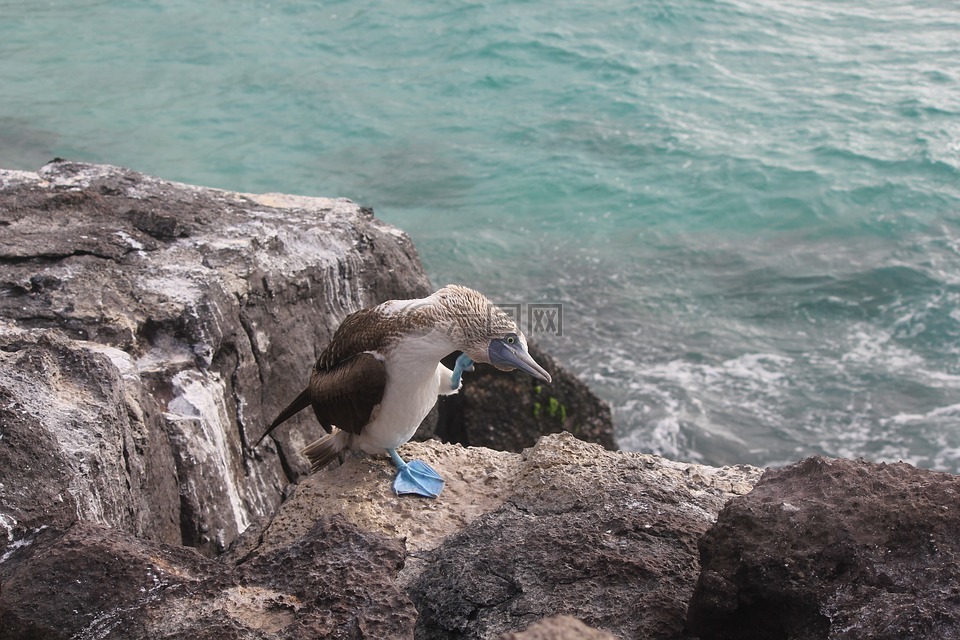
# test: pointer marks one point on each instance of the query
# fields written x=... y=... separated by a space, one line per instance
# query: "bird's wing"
x=347 y=381
x=342 y=396
x=346 y=394
x=363 y=331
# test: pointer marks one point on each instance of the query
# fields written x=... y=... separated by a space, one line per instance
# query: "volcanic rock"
x=558 y=628
x=833 y=548
x=333 y=582
x=564 y=528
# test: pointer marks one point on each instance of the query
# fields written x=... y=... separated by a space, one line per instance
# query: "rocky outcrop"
x=149 y=331
x=479 y=417
x=200 y=312
x=564 y=529
x=834 y=549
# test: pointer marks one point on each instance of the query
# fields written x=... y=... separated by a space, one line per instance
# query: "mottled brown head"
x=484 y=331
x=454 y=318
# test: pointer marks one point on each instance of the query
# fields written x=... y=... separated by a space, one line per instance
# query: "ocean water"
x=748 y=209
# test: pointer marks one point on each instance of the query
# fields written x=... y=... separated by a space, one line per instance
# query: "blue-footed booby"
x=381 y=374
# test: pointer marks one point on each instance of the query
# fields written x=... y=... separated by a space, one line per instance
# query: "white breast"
x=408 y=398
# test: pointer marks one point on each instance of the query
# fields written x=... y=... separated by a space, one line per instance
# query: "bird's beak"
x=515 y=356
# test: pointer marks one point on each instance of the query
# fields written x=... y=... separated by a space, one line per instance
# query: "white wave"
x=875 y=347
x=951 y=412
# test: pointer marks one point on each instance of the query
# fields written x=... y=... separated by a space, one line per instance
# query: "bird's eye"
x=511 y=339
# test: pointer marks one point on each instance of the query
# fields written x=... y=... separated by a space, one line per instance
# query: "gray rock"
x=834 y=549
x=211 y=306
x=79 y=441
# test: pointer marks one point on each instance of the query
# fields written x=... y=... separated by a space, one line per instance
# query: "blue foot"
x=464 y=363
x=416 y=477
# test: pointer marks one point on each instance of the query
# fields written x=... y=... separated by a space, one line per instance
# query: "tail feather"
x=300 y=403
x=323 y=451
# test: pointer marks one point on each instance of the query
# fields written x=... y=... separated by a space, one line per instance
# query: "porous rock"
x=564 y=528
x=478 y=416
x=558 y=628
x=838 y=549
x=87 y=583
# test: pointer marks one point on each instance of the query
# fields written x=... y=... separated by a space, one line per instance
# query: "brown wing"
x=346 y=383
x=344 y=395
x=364 y=330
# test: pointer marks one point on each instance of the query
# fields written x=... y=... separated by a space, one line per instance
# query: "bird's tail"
x=301 y=402
x=323 y=451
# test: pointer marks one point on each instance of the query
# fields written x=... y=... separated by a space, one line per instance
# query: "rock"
x=558 y=628
x=208 y=309
x=58 y=583
x=565 y=528
x=834 y=549
x=333 y=582
x=481 y=416
x=79 y=441
x=609 y=538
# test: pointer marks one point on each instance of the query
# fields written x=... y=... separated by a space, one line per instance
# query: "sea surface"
x=749 y=210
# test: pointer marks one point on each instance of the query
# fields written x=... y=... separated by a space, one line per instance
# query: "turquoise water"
x=750 y=210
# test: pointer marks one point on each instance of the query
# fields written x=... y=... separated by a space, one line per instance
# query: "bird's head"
x=485 y=332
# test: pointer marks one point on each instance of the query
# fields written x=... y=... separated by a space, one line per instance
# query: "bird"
x=381 y=374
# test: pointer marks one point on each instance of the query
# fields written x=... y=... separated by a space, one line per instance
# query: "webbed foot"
x=416 y=477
